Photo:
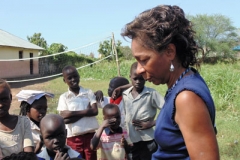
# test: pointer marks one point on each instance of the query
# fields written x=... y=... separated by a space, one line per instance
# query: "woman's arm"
x=194 y=121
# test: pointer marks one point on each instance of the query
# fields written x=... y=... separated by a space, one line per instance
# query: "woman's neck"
x=174 y=76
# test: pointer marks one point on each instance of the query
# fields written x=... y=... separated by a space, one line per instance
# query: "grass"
x=223 y=81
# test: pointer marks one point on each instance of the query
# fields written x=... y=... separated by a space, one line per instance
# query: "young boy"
x=140 y=105
x=117 y=82
x=110 y=137
x=78 y=108
x=53 y=135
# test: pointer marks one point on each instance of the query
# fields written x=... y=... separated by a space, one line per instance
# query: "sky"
x=76 y=23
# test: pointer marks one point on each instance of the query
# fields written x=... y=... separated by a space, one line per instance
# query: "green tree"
x=56 y=48
x=127 y=52
x=38 y=40
x=215 y=35
x=105 y=48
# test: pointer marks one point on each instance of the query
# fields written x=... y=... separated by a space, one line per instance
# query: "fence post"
x=116 y=54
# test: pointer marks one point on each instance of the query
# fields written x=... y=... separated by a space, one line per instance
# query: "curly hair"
x=21 y=156
x=24 y=108
x=164 y=24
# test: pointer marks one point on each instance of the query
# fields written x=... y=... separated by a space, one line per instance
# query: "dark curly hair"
x=24 y=108
x=157 y=27
x=21 y=156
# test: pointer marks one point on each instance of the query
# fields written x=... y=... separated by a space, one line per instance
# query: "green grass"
x=223 y=81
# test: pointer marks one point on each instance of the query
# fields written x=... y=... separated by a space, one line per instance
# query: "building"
x=12 y=52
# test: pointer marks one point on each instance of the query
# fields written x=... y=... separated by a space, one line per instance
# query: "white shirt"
x=35 y=132
x=69 y=101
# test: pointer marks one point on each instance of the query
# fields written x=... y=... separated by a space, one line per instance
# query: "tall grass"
x=223 y=81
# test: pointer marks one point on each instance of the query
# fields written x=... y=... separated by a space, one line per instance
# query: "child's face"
x=113 y=113
x=138 y=81
x=71 y=77
x=38 y=109
x=54 y=136
x=5 y=100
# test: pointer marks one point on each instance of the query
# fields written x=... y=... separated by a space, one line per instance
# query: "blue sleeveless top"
x=167 y=134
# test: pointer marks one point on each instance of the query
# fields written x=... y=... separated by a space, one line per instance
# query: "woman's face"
x=153 y=66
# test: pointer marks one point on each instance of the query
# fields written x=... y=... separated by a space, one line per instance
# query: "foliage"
x=38 y=40
x=127 y=52
x=106 y=48
x=223 y=82
x=215 y=35
x=56 y=48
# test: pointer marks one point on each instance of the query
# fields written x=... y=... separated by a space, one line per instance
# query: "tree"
x=38 y=40
x=127 y=52
x=215 y=35
x=57 y=48
x=105 y=48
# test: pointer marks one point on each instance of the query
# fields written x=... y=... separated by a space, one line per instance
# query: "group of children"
x=125 y=133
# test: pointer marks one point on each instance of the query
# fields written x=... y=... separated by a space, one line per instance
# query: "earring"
x=171 y=67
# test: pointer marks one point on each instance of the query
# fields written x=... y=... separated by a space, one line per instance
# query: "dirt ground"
x=18 y=86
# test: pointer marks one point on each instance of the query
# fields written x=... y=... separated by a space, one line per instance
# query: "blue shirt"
x=167 y=134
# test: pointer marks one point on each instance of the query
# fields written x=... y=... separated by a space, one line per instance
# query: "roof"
x=7 y=39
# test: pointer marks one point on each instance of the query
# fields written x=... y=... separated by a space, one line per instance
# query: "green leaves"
x=215 y=35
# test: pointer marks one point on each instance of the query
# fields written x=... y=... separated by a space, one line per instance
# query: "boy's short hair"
x=133 y=67
x=3 y=83
x=67 y=67
x=109 y=106
x=120 y=81
x=52 y=117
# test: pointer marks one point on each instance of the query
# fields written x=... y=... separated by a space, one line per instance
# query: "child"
x=116 y=82
x=110 y=136
x=15 y=131
x=34 y=105
x=140 y=104
x=53 y=134
x=78 y=108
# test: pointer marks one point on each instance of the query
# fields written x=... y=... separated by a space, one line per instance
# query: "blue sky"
x=75 y=23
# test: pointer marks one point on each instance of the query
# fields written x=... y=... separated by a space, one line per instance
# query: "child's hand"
x=61 y=156
x=141 y=125
x=123 y=142
x=99 y=96
x=116 y=93
x=108 y=122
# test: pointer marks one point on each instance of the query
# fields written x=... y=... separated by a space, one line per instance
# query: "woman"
x=163 y=45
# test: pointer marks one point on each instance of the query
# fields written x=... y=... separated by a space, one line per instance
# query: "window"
x=20 y=53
